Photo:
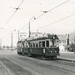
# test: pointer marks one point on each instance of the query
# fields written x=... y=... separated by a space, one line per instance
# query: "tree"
x=72 y=47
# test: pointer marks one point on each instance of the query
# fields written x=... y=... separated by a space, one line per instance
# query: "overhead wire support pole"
x=14 y=12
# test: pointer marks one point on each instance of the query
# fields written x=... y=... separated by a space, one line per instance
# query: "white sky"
x=30 y=8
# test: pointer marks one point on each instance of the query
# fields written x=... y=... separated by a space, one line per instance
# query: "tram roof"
x=40 y=38
x=44 y=38
x=20 y=41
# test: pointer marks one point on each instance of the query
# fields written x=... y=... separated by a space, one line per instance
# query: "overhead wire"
x=58 y=5
x=14 y=12
x=44 y=12
x=23 y=26
x=10 y=17
x=57 y=21
x=52 y=9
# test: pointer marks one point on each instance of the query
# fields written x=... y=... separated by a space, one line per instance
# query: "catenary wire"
x=52 y=9
x=57 y=21
x=47 y=12
x=14 y=12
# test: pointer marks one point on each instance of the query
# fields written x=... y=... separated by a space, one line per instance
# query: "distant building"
x=67 y=39
x=22 y=36
x=36 y=34
x=72 y=38
x=63 y=39
x=63 y=42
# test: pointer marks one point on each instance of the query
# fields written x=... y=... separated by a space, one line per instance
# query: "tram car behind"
x=43 y=46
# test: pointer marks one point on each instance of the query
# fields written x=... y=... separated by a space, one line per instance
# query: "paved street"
x=3 y=70
x=13 y=64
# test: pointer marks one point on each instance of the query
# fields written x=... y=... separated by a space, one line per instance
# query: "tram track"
x=17 y=69
x=64 y=64
x=43 y=64
x=60 y=63
x=24 y=65
x=57 y=59
x=6 y=69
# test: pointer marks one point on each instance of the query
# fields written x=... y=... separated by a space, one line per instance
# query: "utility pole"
x=29 y=25
x=29 y=30
x=68 y=40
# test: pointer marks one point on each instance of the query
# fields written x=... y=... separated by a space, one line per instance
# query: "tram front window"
x=47 y=43
x=50 y=43
x=43 y=43
x=56 y=43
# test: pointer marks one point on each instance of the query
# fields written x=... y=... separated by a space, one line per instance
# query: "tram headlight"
x=43 y=50
x=51 y=51
x=55 y=51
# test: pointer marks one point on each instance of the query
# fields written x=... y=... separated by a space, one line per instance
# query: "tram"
x=43 y=46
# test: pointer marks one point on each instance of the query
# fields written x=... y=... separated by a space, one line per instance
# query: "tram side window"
x=30 y=44
x=24 y=44
x=43 y=43
x=33 y=44
x=47 y=43
x=40 y=44
x=36 y=44
x=27 y=45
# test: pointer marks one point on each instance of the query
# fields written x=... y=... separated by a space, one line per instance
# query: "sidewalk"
x=8 y=52
x=67 y=56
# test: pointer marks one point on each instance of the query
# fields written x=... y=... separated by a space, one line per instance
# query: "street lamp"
x=29 y=25
x=29 y=28
x=12 y=39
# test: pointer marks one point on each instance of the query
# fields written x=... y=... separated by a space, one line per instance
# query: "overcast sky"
x=59 y=20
